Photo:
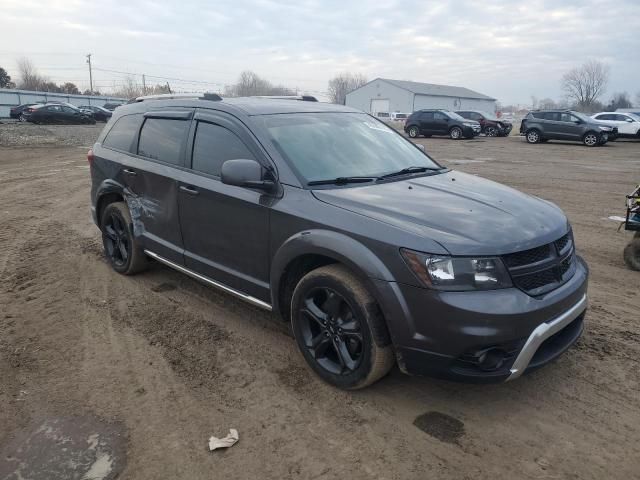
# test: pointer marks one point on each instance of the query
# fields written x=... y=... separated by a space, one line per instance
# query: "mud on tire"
x=339 y=328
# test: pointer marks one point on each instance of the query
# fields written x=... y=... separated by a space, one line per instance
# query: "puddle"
x=441 y=426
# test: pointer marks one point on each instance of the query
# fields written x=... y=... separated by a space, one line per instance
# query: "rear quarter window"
x=123 y=133
x=163 y=139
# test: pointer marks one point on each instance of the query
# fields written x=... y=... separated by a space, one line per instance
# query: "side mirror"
x=629 y=120
x=577 y=122
x=245 y=173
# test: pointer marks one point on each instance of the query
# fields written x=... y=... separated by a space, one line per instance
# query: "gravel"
x=22 y=134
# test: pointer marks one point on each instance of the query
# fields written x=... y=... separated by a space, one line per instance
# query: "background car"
x=635 y=110
x=111 y=106
x=628 y=124
x=399 y=117
x=440 y=122
x=17 y=112
x=57 y=113
x=491 y=125
x=101 y=114
x=543 y=125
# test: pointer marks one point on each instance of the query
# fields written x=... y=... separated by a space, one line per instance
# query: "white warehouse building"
x=382 y=96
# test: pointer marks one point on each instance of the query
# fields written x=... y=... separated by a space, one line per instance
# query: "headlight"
x=457 y=273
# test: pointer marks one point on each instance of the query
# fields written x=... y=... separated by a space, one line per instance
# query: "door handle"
x=190 y=190
x=131 y=173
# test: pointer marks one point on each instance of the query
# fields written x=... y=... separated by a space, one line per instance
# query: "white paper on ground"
x=617 y=219
x=229 y=440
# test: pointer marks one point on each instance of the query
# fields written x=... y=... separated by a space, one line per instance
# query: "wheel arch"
x=308 y=250
x=108 y=192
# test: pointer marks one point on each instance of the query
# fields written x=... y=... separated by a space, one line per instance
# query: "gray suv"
x=372 y=251
x=544 y=125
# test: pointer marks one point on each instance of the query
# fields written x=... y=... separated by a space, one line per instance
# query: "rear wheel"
x=22 y=118
x=533 y=136
x=339 y=328
x=413 y=131
x=632 y=253
x=491 y=131
x=591 y=139
x=455 y=133
x=120 y=246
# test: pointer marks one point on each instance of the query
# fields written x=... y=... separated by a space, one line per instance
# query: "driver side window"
x=439 y=116
x=213 y=146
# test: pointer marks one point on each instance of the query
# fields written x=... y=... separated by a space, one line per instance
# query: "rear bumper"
x=450 y=335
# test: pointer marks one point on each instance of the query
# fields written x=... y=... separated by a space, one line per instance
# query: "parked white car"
x=399 y=117
x=628 y=124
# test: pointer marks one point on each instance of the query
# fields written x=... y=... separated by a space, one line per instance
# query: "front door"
x=225 y=228
x=440 y=123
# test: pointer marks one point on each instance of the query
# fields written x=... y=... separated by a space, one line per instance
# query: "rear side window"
x=538 y=115
x=426 y=116
x=122 y=134
x=213 y=146
x=163 y=139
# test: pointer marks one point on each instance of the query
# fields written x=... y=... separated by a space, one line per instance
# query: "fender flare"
x=331 y=244
x=107 y=187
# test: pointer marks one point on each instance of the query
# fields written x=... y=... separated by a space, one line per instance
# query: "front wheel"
x=455 y=133
x=339 y=328
x=591 y=139
x=491 y=131
x=120 y=245
x=413 y=132
x=22 y=118
x=533 y=136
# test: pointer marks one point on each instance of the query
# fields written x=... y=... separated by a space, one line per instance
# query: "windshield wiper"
x=408 y=170
x=342 y=181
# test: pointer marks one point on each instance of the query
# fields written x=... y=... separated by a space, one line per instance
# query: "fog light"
x=491 y=359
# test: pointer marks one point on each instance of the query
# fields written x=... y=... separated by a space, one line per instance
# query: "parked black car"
x=440 y=122
x=100 y=114
x=490 y=125
x=56 y=113
x=544 y=125
x=373 y=251
x=111 y=106
x=17 y=112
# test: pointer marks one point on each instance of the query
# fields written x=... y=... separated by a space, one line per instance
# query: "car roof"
x=247 y=105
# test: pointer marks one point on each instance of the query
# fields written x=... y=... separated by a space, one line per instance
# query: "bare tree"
x=586 y=83
x=5 y=79
x=547 y=104
x=70 y=88
x=620 y=100
x=637 y=100
x=251 y=84
x=30 y=79
x=344 y=83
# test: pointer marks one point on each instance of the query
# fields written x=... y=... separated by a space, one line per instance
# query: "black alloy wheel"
x=116 y=239
x=331 y=332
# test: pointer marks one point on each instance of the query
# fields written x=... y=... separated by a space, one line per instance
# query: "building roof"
x=420 y=88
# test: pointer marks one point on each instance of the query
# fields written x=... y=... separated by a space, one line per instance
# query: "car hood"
x=467 y=215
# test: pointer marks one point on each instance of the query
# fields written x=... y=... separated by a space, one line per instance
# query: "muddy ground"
x=175 y=362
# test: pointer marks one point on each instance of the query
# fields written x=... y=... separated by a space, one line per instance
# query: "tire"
x=331 y=312
x=22 y=118
x=533 y=136
x=455 y=133
x=413 y=132
x=491 y=131
x=120 y=246
x=591 y=139
x=631 y=253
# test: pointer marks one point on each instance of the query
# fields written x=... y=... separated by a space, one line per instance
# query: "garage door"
x=379 y=105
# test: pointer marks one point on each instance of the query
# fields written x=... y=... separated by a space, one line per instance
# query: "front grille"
x=528 y=256
x=539 y=270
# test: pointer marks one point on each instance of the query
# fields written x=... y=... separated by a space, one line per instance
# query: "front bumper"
x=445 y=334
x=471 y=131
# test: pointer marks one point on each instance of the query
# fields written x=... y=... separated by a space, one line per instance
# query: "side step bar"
x=208 y=281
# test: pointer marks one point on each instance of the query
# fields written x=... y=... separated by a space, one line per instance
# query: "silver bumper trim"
x=213 y=283
x=541 y=333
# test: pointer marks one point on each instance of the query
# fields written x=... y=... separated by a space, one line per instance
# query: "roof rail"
x=169 y=96
x=303 y=98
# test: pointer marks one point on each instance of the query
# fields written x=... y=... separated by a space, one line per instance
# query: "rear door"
x=426 y=122
x=225 y=228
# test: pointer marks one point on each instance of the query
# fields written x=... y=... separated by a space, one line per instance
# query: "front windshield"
x=455 y=116
x=490 y=116
x=323 y=146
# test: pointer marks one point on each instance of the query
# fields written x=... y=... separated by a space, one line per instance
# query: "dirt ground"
x=175 y=362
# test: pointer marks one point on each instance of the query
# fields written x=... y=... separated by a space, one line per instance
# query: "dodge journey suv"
x=375 y=253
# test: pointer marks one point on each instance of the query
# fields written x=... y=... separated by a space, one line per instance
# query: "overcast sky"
x=508 y=50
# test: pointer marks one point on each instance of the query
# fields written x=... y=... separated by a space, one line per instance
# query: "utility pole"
x=144 y=85
x=90 y=74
